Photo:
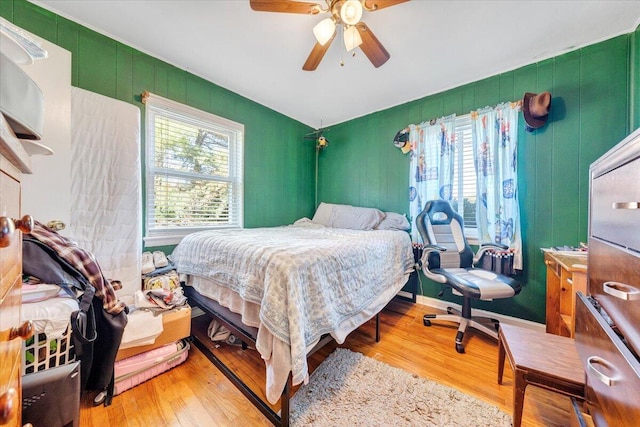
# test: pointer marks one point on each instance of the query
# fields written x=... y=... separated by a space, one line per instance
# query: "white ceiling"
x=434 y=46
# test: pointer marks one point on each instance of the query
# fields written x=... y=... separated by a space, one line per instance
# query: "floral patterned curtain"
x=495 y=142
x=431 y=167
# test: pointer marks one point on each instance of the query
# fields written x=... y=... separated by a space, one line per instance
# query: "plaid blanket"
x=84 y=262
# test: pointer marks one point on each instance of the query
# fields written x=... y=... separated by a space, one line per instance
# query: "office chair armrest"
x=424 y=260
x=485 y=247
x=423 y=263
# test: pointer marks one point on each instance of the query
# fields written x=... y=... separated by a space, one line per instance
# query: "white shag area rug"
x=350 y=389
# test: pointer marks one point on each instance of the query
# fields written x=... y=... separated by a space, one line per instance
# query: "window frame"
x=155 y=106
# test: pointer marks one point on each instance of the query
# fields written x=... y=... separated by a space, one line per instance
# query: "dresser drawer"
x=10 y=384
x=615 y=206
x=10 y=260
x=614 y=281
x=10 y=350
x=613 y=372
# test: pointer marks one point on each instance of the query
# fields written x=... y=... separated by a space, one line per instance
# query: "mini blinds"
x=194 y=172
x=464 y=173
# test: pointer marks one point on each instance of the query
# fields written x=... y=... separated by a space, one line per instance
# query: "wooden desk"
x=541 y=359
x=566 y=275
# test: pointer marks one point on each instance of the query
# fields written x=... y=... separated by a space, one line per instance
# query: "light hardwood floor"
x=197 y=394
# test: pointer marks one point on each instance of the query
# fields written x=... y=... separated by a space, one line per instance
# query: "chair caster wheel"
x=426 y=322
x=449 y=310
x=459 y=348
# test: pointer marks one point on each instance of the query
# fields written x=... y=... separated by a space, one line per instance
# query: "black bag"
x=96 y=334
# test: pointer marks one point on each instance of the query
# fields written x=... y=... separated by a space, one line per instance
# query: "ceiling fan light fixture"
x=351 y=12
x=352 y=38
x=324 y=30
x=346 y=14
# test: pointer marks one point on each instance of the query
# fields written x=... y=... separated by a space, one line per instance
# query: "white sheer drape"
x=432 y=164
x=495 y=142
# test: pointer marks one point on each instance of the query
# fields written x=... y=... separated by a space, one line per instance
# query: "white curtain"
x=106 y=208
x=495 y=142
x=431 y=166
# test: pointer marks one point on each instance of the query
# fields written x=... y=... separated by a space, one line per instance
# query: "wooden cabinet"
x=10 y=295
x=12 y=331
x=566 y=275
x=577 y=416
x=613 y=385
x=608 y=323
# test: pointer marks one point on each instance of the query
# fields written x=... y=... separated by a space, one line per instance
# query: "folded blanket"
x=50 y=316
x=142 y=329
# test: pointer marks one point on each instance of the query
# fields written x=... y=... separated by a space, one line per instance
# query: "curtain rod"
x=513 y=104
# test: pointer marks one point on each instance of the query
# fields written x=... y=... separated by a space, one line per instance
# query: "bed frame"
x=232 y=321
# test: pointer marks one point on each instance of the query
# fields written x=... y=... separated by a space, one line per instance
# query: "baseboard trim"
x=509 y=320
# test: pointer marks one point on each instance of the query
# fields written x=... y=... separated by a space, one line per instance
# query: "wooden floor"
x=197 y=394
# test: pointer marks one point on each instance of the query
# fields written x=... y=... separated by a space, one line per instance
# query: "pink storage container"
x=137 y=369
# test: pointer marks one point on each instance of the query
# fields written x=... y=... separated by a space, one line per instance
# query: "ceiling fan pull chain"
x=341 y=52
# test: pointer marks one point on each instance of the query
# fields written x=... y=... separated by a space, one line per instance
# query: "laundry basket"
x=40 y=353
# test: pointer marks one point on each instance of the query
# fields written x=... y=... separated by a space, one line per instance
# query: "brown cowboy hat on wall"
x=535 y=108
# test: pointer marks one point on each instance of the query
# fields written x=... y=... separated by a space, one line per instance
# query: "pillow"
x=306 y=222
x=355 y=218
x=323 y=213
x=394 y=221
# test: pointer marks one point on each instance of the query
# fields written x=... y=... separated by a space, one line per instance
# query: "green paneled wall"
x=279 y=163
x=589 y=114
x=596 y=102
x=635 y=79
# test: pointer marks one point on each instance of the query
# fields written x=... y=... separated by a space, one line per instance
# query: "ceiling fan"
x=344 y=13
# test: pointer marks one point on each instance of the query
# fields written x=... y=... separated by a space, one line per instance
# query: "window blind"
x=194 y=169
x=464 y=180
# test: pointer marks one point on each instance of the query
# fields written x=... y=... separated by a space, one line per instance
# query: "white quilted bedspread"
x=307 y=279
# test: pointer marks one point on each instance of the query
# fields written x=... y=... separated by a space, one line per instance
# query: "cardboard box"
x=176 y=324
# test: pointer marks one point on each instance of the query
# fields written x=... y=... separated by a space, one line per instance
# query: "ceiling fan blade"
x=316 y=55
x=285 y=6
x=371 y=46
x=372 y=5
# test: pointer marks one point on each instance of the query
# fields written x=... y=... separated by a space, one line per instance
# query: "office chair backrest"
x=440 y=225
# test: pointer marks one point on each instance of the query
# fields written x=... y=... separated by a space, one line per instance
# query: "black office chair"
x=448 y=259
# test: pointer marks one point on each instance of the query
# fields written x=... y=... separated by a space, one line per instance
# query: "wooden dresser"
x=608 y=323
x=13 y=161
x=566 y=276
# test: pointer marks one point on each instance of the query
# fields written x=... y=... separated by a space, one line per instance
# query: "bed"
x=285 y=289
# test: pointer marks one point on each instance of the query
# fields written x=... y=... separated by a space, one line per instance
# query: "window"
x=464 y=176
x=194 y=171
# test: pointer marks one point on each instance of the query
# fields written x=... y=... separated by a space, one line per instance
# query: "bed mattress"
x=297 y=283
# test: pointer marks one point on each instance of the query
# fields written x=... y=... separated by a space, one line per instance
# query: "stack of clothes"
x=161 y=293
x=160 y=281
